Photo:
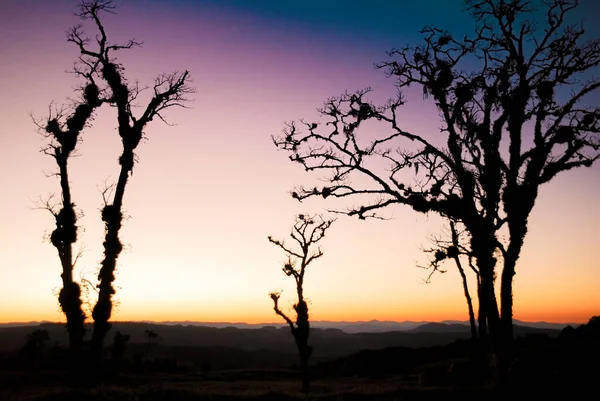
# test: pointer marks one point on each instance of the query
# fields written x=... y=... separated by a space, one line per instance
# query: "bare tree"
x=512 y=100
x=169 y=90
x=98 y=66
x=452 y=249
x=63 y=127
x=307 y=231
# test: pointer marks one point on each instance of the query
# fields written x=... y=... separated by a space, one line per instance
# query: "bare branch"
x=275 y=297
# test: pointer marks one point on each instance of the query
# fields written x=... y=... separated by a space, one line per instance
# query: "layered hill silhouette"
x=430 y=355
x=327 y=342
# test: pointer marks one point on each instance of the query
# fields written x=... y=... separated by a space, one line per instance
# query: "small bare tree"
x=445 y=248
x=307 y=231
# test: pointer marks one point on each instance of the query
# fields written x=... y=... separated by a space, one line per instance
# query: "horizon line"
x=466 y=322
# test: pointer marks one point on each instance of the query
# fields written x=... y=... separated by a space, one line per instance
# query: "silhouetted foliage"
x=36 y=343
x=152 y=338
x=97 y=64
x=512 y=103
x=586 y=332
x=307 y=231
x=119 y=345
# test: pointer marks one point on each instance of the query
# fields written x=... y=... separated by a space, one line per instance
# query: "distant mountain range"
x=328 y=342
x=371 y=326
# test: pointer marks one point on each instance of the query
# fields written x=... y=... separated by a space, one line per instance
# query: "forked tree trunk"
x=483 y=245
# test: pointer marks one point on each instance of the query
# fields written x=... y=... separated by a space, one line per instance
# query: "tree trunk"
x=71 y=305
x=513 y=251
x=301 y=334
x=483 y=247
x=481 y=317
x=305 y=352
x=490 y=305
x=112 y=217
x=63 y=238
x=468 y=298
x=506 y=303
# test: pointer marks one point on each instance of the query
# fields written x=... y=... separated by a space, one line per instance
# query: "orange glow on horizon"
x=558 y=315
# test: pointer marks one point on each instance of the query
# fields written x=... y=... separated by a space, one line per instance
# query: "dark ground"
x=544 y=367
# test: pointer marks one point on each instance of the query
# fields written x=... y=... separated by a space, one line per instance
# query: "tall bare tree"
x=169 y=90
x=512 y=100
x=306 y=232
x=63 y=129
x=98 y=66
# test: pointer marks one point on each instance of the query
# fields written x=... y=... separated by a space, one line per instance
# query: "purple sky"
x=208 y=191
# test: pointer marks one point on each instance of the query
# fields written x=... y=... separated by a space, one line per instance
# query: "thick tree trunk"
x=481 y=317
x=506 y=303
x=517 y=235
x=71 y=305
x=499 y=362
x=304 y=353
x=483 y=247
x=490 y=305
x=301 y=334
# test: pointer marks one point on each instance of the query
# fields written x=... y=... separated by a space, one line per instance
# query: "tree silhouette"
x=169 y=90
x=306 y=232
x=152 y=338
x=35 y=343
x=97 y=64
x=63 y=128
x=119 y=345
x=512 y=103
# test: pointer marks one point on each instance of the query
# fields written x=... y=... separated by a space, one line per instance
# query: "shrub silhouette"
x=36 y=346
x=119 y=346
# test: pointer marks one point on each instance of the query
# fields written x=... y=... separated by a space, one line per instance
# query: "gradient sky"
x=208 y=191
